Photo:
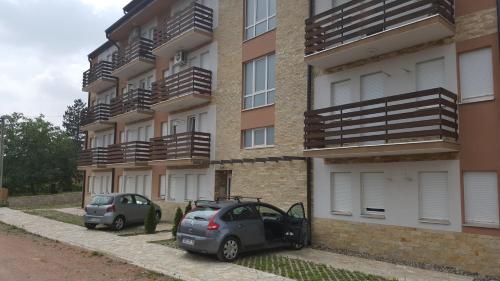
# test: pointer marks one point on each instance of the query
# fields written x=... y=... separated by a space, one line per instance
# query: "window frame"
x=253 y=146
x=471 y=223
x=266 y=91
x=255 y=22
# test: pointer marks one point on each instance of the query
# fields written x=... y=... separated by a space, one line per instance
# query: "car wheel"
x=229 y=250
x=158 y=216
x=299 y=245
x=118 y=223
x=90 y=225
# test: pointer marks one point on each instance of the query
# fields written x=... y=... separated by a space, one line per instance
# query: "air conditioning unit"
x=180 y=58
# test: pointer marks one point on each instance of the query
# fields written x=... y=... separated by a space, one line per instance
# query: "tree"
x=189 y=207
x=150 y=222
x=177 y=221
x=72 y=121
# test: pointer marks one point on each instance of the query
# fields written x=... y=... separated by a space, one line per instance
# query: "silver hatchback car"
x=227 y=228
x=117 y=210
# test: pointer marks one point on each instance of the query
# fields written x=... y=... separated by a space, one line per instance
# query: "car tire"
x=299 y=245
x=229 y=249
x=158 y=216
x=118 y=223
x=90 y=225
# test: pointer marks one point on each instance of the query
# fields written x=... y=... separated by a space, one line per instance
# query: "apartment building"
x=379 y=115
x=403 y=129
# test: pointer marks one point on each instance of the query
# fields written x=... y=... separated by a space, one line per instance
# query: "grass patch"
x=59 y=206
x=303 y=270
x=169 y=243
x=56 y=215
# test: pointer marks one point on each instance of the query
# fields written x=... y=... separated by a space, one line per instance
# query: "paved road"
x=134 y=250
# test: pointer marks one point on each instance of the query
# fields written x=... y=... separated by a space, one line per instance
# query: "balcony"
x=189 y=30
x=189 y=149
x=95 y=158
x=130 y=154
x=135 y=59
x=422 y=122
x=95 y=118
x=361 y=29
x=98 y=77
x=186 y=89
x=131 y=107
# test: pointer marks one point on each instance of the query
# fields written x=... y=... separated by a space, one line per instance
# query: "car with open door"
x=232 y=226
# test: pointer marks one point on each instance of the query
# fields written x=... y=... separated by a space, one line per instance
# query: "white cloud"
x=43 y=51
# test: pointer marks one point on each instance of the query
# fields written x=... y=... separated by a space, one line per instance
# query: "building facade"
x=381 y=116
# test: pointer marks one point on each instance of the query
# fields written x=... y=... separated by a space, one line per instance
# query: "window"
x=341 y=197
x=139 y=200
x=192 y=189
x=433 y=195
x=267 y=213
x=430 y=74
x=476 y=74
x=259 y=82
x=191 y=123
x=262 y=137
x=481 y=198
x=163 y=186
x=242 y=213
x=340 y=93
x=127 y=199
x=372 y=189
x=260 y=17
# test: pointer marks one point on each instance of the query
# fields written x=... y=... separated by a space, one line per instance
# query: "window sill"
x=435 y=221
x=257 y=148
x=257 y=107
x=339 y=213
x=373 y=216
x=480 y=225
x=477 y=99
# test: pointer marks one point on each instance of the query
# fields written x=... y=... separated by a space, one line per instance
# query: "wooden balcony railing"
x=138 y=99
x=130 y=152
x=140 y=48
x=99 y=71
x=181 y=146
x=360 y=18
x=95 y=113
x=192 y=80
x=94 y=156
x=195 y=16
x=407 y=117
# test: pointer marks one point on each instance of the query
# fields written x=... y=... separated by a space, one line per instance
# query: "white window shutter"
x=191 y=187
x=341 y=93
x=163 y=186
x=372 y=86
x=481 y=198
x=434 y=198
x=341 y=196
x=373 y=185
x=430 y=74
x=476 y=74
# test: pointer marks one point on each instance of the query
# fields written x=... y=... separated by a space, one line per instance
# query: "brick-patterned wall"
x=467 y=252
x=476 y=24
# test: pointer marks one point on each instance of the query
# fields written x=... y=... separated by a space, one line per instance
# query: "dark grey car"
x=227 y=228
x=117 y=210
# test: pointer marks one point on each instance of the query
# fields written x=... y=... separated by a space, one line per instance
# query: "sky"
x=43 y=52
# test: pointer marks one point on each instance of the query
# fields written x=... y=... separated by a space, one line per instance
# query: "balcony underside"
x=412 y=34
x=183 y=102
x=129 y=165
x=93 y=167
x=134 y=68
x=97 y=126
x=100 y=85
x=386 y=149
x=188 y=40
x=182 y=163
x=132 y=116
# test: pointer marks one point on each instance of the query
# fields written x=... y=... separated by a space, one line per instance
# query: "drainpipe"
x=83 y=189
x=309 y=162
x=498 y=20
x=115 y=135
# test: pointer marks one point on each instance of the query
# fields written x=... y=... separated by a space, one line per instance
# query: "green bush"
x=150 y=222
x=177 y=221
x=189 y=207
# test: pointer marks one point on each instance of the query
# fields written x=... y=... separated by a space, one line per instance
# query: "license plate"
x=188 y=241
x=94 y=220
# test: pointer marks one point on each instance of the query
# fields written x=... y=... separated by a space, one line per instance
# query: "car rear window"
x=201 y=213
x=101 y=200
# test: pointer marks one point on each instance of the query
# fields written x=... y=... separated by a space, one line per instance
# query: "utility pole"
x=2 y=133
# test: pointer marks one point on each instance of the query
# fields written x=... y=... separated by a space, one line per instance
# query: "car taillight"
x=110 y=209
x=212 y=225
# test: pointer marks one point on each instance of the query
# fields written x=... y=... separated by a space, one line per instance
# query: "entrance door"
x=223 y=184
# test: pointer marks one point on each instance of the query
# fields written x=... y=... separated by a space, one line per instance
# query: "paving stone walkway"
x=135 y=250
x=176 y=263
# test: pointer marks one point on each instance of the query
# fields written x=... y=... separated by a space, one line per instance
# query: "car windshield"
x=203 y=214
x=101 y=200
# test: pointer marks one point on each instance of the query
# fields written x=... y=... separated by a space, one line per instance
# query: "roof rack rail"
x=239 y=198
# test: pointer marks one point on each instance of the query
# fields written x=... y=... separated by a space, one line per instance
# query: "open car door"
x=296 y=230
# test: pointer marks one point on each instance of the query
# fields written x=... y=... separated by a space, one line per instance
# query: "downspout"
x=309 y=162
x=115 y=135
x=83 y=189
x=498 y=21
